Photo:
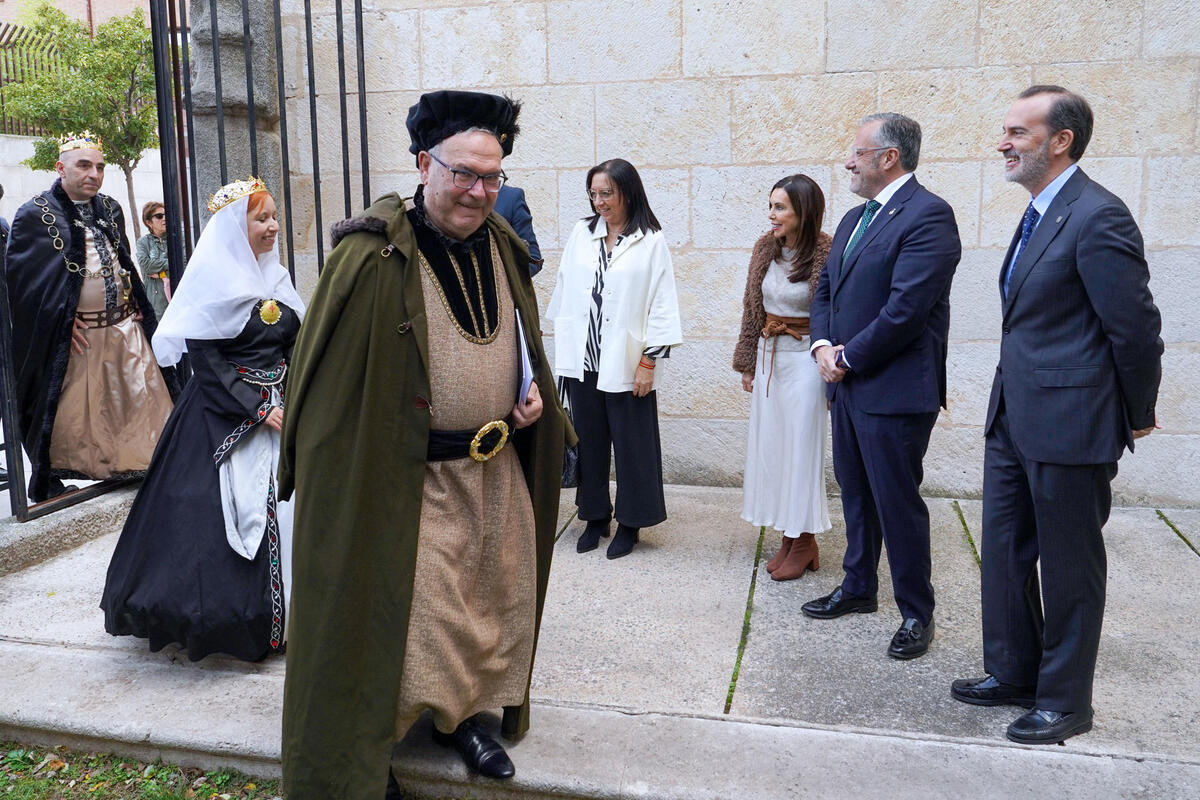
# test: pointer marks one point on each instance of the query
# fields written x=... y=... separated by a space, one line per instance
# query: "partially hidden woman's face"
x=785 y=223
x=157 y=221
x=261 y=226
x=608 y=202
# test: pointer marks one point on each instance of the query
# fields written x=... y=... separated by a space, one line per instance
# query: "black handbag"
x=570 y=467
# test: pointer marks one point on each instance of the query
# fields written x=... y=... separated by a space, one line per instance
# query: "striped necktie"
x=868 y=215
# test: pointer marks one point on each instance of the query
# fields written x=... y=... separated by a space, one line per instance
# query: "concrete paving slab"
x=1147 y=690
x=58 y=601
x=837 y=672
x=658 y=629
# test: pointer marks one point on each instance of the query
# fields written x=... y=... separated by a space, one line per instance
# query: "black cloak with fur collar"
x=42 y=296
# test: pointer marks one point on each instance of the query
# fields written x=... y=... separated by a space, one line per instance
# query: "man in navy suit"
x=879 y=324
x=511 y=205
x=1080 y=362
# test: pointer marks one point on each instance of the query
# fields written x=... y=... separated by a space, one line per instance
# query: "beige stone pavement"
x=634 y=671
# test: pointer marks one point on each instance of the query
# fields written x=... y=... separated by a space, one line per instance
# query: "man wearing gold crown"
x=426 y=471
x=90 y=398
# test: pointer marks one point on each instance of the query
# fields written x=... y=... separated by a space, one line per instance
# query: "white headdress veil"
x=222 y=283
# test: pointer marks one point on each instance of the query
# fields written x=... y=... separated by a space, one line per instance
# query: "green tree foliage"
x=105 y=84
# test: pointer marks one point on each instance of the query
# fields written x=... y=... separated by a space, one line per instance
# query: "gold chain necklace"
x=489 y=338
x=463 y=285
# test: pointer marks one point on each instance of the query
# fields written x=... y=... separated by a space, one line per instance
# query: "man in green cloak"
x=425 y=462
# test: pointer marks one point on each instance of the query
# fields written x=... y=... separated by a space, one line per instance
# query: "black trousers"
x=617 y=423
x=1045 y=635
x=877 y=459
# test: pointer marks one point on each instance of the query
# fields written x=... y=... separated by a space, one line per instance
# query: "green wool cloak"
x=354 y=439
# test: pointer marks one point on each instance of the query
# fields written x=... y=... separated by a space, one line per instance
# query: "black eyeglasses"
x=466 y=179
x=159 y=215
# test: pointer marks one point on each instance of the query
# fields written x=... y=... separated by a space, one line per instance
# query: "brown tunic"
x=471 y=630
x=114 y=402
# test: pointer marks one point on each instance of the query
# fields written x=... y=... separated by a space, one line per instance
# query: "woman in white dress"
x=784 y=484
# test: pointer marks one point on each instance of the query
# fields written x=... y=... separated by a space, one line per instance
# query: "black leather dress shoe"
x=479 y=751
x=987 y=691
x=590 y=538
x=912 y=640
x=838 y=603
x=1039 y=726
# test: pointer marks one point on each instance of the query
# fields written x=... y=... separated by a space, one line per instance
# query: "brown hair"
x=257 y=201
x=149 y=208
x=809 y=204
x=1070 y=112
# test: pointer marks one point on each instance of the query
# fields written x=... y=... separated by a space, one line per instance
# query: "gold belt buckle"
x=473 y=449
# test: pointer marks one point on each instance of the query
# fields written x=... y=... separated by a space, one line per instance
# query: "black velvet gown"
x=173 y=576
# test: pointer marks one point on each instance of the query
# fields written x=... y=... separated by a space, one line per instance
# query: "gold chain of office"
x=51 y=223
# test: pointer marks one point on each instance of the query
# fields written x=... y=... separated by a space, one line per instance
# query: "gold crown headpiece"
x=84 y=140
x=232 y=191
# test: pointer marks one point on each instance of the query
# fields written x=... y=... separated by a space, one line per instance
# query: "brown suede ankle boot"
x=802 y=556
x=778 y=558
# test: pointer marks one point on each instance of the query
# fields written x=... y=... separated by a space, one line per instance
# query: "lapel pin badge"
x=1058 y=220
x=893 y=211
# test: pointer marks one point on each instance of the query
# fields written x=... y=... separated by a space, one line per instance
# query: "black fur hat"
x=439 y=115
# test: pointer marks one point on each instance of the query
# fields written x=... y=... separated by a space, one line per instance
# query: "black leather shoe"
x=1039 y=726
x=838 y=603
x=590 y=538
x=623 y=542
x=479 y=751
x=912 y=640
x=987 y=691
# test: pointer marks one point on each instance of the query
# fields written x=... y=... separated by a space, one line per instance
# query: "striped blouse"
x=591 y=356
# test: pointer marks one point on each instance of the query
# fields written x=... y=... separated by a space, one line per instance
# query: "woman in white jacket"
x=615 y=315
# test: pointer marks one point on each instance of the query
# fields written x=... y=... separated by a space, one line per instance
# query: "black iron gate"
x=213 y=131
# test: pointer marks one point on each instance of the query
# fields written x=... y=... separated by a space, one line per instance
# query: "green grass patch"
x=45 y=773
x=1178 y=532
x=737 y=665
x=962 y=520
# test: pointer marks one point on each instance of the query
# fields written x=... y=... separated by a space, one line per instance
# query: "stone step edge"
x=26 y=544
x=834 y=761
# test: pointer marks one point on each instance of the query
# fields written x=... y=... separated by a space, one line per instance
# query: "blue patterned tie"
x=868 y=215
x=1028 y=223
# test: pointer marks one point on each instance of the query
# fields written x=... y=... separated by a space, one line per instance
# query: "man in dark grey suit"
x=1077 y=383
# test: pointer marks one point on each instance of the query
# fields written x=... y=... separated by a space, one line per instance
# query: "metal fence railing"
x=23 y=54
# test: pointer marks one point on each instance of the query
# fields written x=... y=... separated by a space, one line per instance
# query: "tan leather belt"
x=796 y=327
x=102 y=319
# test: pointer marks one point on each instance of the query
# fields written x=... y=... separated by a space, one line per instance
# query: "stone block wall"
x=714 y=100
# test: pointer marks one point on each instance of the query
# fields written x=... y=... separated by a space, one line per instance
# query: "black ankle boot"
x=623 y=542
x=590 y=538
